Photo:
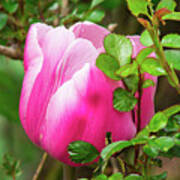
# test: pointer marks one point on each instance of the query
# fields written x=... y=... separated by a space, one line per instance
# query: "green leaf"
x=82 y=152
x=113 y=4
x=117 y=176
x=171 y=40
x=173 y=58
x=11 y=166
x=10 y=5
x=172 y=125
x=95 y=16
x=139 y=140
x=172 y=110
x=153 y=67
x=143 y=54
x=132 y=82
x=143 y=133
x=161 y=176
x=177 y=138
x=123 y=100
x=128 y=69
x=108 y=65
x=173 y=152
x=151 y=150
x=177 y=118
x=173 y=16
x=146 y=39
x=109 y=150
x=134 y=177
x=165 y=143
x=119 y=47
x=138 y=7
x=147 y=83
x=95 y=3
x=158 y=122
x=101 y=177
x=168 y=4
x=3 y=20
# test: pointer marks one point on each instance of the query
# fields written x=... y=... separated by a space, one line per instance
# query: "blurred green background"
x=15 y=19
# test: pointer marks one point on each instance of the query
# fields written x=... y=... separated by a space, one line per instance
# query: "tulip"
x=65 y=97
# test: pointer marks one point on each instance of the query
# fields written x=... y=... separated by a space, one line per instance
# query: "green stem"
x=123 y=166
x=137 y=147
x=146 y=166
x=162 y=59
x=153 y=31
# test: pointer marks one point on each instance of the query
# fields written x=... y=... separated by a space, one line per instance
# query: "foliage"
x=11 y=166
x=160 y=138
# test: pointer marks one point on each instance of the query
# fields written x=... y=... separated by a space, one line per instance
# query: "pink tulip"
x=65 y=97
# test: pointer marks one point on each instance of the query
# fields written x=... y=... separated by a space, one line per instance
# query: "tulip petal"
x=34 y=41
x=53 y=47
x=91 y=32
x=33 y=59
x=81 y=51
x=81 y=109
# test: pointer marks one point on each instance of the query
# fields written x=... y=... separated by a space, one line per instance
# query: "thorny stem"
x=139 y=102
x=160 y=52
x=153 y=31
x=137 y=148
x=40 y=166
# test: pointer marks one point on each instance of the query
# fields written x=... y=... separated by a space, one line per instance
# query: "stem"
x=11 y=52
x=68 y=172
x=137 y=147
x=139 y=102
x=64 y=8
x=123 y=165
x=114 y=165
x=40 y=166
x=162 y=59
x=21 y=5
x=41 y=12
x=133 y=116
x=146 y=167
x=13 y=176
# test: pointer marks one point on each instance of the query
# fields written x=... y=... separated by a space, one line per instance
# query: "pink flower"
x=65 y=97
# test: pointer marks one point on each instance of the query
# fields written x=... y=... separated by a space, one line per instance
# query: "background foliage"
x=15 y=18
